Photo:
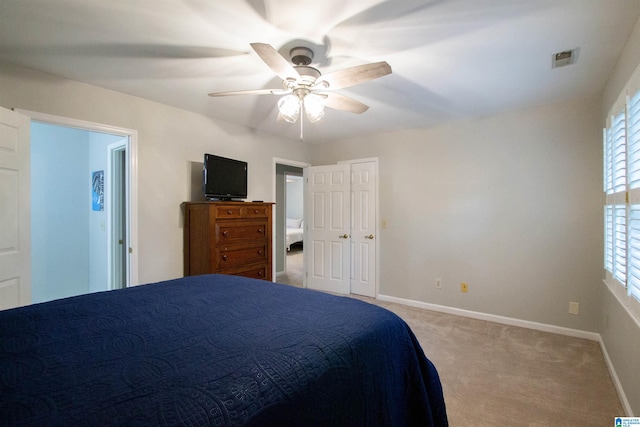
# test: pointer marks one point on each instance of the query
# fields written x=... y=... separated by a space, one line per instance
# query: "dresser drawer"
x=232 y=256
x=257 y=211
x=228 y=211
x=255 y=272
x=234 y=232
x=242 y=211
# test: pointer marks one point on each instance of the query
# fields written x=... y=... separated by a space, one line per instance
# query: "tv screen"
x=224 y=179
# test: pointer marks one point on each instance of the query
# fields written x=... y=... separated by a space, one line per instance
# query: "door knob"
x=344 y=236
x=370 y=236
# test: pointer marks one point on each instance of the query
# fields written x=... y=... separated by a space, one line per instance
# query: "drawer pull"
x=229 y=211
x=256 y=211
x=260 y=230
x=225 y=233
x=225 y=257
x=259 y=251
x=260 y=274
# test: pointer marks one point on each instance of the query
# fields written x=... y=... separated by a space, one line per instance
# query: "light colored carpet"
x=295 y=268
x=499 y=375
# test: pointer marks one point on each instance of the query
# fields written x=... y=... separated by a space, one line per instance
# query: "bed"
x=294 y=232
x=213 y=350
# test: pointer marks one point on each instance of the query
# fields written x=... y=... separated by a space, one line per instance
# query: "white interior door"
x=327 y=218
x=118 y=240
x=363 y=228
x=15 y=211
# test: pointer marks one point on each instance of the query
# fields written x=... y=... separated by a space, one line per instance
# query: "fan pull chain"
x=301 y=127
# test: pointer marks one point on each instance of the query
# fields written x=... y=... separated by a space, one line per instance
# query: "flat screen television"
x=224 y=179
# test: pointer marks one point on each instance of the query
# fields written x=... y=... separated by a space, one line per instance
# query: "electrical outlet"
x=439 y=283
x=464 y=287
x=574 y=308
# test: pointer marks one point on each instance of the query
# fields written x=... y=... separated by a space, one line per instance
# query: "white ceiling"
x=451 y=59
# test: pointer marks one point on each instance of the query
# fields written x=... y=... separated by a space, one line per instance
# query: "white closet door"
x=327 y=219
x=15 y=211
x=363 y=229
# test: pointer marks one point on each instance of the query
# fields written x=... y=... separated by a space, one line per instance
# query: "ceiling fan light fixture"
x=314 y=107
x=289 y=107
x=301 y=83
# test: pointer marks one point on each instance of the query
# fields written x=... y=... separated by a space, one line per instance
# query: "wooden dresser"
x=228 y=238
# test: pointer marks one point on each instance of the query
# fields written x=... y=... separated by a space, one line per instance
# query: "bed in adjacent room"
x=295 y=232
x=213 y=350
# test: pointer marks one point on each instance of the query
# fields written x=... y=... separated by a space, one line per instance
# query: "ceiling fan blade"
x=275 y=61
x=344 y=103
x=252 y=92
x=355 y=75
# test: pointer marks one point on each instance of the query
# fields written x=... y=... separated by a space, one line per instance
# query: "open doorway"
x=289 y=222
x=82 y=204
x=294 y=228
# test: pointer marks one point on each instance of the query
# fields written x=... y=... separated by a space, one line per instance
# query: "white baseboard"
x=495 y=318
x=616 y=381
x=593 y=336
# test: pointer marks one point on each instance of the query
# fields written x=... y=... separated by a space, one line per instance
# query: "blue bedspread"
x=213 y=350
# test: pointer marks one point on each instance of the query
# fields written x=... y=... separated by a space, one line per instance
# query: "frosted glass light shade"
x=314 y=106
x=289 y=107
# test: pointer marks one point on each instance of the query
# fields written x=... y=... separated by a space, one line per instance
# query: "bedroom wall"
x=505 y=203
x=170 y=140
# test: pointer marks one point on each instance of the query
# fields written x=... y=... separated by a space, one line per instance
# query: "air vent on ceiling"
x=564 y=58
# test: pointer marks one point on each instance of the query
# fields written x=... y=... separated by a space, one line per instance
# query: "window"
x=633 y=142
x=621 y=177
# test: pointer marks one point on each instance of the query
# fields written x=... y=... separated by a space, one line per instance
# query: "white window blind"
x=607 y=156
x=608 y=238
x=633 y=172
x=633 y=279
x=618 y=145
x=620 y=243
x=633 y=141
x=615 y=167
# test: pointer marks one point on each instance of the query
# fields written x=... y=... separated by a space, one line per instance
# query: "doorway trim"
x=132 y=173
x=275 y=162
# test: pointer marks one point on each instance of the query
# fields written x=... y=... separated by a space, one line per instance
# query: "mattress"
x=294 y=235
x=213 y=350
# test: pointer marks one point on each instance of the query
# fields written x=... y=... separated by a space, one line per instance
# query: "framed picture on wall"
x=97 y=191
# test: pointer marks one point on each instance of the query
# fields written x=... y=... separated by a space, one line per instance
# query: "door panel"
x=327 y=207
x=363 y=228
x=15 y=227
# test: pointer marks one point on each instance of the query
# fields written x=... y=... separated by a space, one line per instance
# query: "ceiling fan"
x=305 y=88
